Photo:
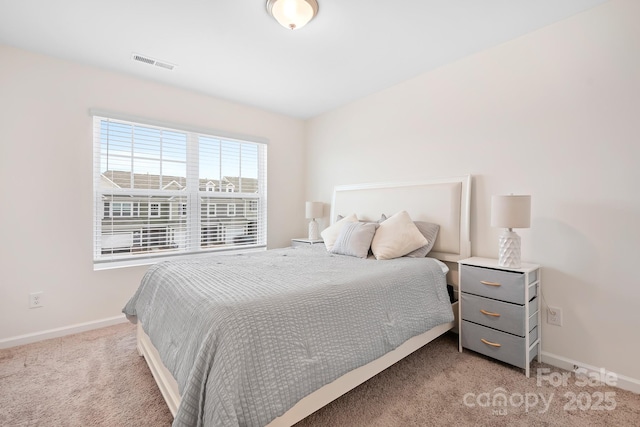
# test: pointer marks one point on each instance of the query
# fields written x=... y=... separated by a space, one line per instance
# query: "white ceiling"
x=233 y=49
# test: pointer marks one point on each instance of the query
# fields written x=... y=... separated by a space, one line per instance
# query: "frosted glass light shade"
x=511 y=211
x=292 y=14
x=313 y=210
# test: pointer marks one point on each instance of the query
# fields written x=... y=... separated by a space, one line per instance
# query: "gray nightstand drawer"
x=497 y=284
x=499 y=345
x=497 y=314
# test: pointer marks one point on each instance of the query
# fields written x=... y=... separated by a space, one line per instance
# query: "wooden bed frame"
x=444 y=201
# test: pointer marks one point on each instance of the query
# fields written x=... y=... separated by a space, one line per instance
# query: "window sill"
x=110 y=265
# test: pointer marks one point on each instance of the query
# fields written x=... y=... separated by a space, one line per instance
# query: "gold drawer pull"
x=493 y=344
x=488 y=313
x=484 y=282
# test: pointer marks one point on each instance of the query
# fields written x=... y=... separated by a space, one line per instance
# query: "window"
x=121 y=209
x=163 y=191
x=154 y=209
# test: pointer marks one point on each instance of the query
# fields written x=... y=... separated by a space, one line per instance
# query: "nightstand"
x=500 y=311
x=302 y=242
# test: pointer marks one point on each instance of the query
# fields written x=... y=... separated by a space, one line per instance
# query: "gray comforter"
x=247 y=336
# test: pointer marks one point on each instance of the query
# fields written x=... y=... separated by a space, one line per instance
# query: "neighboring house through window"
x=162 y=190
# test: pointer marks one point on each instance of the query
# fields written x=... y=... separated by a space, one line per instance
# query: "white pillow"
x=396 y=237
x=331 y=233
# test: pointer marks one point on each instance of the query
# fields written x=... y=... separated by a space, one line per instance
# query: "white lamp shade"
x=292 y=14
x=314 y=210
x=511 y=211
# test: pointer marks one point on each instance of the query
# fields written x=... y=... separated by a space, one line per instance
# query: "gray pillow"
x=355 y=239
x=429 y=231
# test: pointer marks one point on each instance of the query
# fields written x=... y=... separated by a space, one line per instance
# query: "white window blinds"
x=161 y=191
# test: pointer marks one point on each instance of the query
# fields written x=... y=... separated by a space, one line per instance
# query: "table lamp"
x=510 y=212
x=313 y=211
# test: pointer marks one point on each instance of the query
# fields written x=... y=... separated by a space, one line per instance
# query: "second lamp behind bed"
x=314 y=210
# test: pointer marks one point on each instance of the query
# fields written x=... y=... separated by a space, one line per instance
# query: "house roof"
x=123 y=179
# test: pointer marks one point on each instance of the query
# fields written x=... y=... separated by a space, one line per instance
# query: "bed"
x=306 y=325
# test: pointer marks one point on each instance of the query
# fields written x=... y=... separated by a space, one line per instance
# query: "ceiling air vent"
x=164 y=65
x=152 y=61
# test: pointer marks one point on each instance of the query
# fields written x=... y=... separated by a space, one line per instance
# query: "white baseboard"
x=623 y=382
x=60 y=332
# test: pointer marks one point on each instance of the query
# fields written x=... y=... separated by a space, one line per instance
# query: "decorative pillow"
x=355 y=239
x=396 y=237
x=331 y=233
x=430 y=232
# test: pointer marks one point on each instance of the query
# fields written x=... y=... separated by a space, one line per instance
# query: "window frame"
x=134 y=210
x=188 y=202
x=154 y=209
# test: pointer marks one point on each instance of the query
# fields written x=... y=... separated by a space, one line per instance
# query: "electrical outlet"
x=554 y=316
x=35 y=299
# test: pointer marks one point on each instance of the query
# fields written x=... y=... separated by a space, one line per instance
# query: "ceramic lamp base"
x=509 y=250
x=314 y=233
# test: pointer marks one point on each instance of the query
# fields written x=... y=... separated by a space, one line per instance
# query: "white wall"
x=554 y=114
x=46 y=180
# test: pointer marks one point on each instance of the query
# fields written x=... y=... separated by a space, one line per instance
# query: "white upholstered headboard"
x=443 y=201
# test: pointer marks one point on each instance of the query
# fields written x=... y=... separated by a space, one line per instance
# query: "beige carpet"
x=97 y=379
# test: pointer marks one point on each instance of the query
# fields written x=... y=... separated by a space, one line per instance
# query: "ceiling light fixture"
x=292 y=14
